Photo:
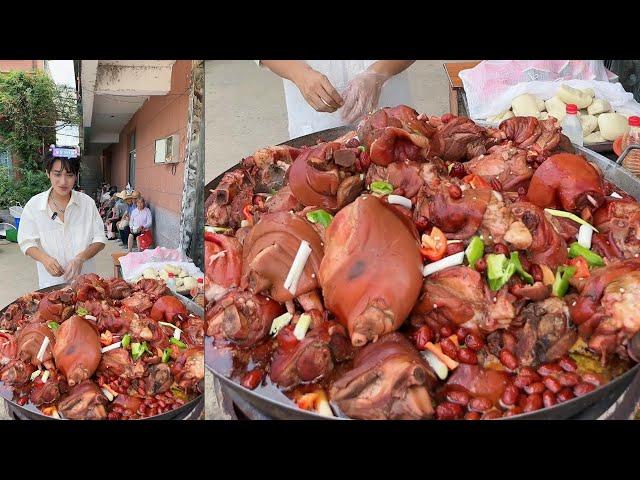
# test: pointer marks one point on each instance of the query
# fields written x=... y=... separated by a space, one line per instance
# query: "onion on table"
x=102 y=349
x=425 y=268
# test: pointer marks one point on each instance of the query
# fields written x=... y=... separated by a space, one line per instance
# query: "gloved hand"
x=318 y=91
x=361 y=95
x=73 y=269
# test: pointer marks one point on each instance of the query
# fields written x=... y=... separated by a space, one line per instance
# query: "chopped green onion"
x=302 y=326
x=35 y=375
x=515 y=259
x=592 y=258
x=53 y=325
x=170 y=325
x=449 y=168
x=561 y=284
x=320 y=216
x=280 y=322
x=138 y=349
x=166 y=355
x=178 y=393
x=175 y=341
x=82 y=311
x=499 y=270
x=570 y=216
x=474 y=251
x=362 y=148
x=382 y=188
x=211 y=229
x=126 y=340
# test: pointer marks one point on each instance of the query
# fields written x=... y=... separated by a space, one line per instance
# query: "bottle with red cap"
x=571 y=126
x=632 y=160
x=632 y=137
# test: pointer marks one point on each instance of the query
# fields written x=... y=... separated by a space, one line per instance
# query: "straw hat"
x=122 y=195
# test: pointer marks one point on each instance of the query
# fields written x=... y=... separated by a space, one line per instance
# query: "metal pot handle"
x=625 y=406
x=626 y=152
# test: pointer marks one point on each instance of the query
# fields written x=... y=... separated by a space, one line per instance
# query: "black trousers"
x=124 y=234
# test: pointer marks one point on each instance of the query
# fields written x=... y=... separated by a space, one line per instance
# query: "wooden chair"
x=117 y=269
x=456 y=90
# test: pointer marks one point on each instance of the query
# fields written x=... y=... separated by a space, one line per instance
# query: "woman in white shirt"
x=140 y=221
x=61 y=228
x=322 y=94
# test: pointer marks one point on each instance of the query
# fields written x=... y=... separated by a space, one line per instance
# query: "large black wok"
x=30 y=412
x=276 y=405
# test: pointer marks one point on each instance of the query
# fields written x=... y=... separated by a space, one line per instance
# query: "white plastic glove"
x=361 y=95
x=74 y=267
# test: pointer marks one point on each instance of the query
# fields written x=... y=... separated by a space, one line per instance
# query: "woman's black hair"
x=71 y=165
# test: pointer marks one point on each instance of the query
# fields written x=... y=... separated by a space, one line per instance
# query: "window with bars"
x=5 y=160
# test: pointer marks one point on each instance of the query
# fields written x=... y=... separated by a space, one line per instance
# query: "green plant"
x=30 y=183
x=30 y=106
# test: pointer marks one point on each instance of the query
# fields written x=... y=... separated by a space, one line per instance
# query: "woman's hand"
x=74 y=267
x=361 y=95
x=52 y=266
x=317 y=90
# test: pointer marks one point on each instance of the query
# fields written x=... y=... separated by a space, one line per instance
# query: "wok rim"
x=41 y=416
x=588 y=399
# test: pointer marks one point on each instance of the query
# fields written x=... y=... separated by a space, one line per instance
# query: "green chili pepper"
x=177 y=342
x=592 y=258
x=515 y=259
x=82 y=311
x=382 y=188
x=53 y=325
x=561 y=284
x=126 y=340
x=474 y=251
x=320 y=216
x=166 y=355
x=499 y=270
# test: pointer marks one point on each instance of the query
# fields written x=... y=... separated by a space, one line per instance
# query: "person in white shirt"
x=140 y=221
x=61 y=228
x=323 y=94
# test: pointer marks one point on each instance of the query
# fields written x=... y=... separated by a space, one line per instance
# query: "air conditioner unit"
x=167 y=149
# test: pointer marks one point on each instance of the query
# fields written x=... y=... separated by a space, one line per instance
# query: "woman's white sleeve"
x=28 y=234
x=98 y=227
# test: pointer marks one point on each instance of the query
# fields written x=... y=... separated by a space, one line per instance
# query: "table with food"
x=424 y=267
x=101 y=349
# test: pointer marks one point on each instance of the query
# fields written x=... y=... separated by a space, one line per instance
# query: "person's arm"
x=314 y=86
x=50 y=264
x=362 y=94
x=29 y=242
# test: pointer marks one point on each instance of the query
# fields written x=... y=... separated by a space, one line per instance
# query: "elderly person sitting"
x=123 y=224
x=140 y=221
x=118 y=210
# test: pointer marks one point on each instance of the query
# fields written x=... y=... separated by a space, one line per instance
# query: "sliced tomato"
x=476 y=181
x=582 y=267
x=434 y=245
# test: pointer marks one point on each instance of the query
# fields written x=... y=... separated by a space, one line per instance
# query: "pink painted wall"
x=160 y=116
